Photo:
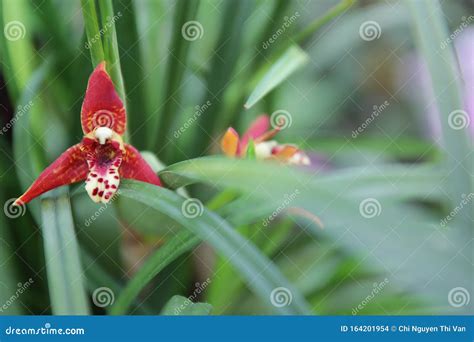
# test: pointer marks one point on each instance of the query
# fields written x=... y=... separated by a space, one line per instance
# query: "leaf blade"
x=289 y=62
x=179 y=305
x=261 y=274
x=65 y=276
x=175 y=247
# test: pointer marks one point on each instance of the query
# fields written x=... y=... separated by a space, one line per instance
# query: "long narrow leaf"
x=65 y=276
x=179 y=305
x=293 y=59
x=223 y=65
x=94 y=38
x=431 y=29
x=261 y=275
x=176 y=246
x=185 y=12
x=110 y=45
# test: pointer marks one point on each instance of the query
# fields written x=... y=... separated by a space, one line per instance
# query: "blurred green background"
x=379 y=94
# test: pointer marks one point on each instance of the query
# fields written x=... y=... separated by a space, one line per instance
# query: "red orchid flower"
x=259 y=131
x=101 y=158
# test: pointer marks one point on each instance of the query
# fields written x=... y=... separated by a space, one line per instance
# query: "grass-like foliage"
x=354 y=195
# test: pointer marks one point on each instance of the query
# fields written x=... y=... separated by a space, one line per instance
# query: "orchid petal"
x=69 y=168
x=230 y=142
x=284 y=152
x=257 y=128
x=291 y=155
x=135 y=167
x=102 y=106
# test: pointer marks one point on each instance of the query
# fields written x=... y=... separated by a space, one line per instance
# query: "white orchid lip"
x=263 y=150
x=103 y=134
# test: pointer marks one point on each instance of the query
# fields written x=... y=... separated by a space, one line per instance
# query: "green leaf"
x=179 y=305
x=338 y=198
x=162 y=257
x=65 y=275
x=29 y=155
x=247 y=175
x=19 y=47
x=98 y=276
x=316 y=24
x=431 y=31
x=110 y=45
x=151 y=44
x=290 y=61
x=223 y=66
x=94 y=38
x=185 y=12
x=261 y=275
x=8 y=277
